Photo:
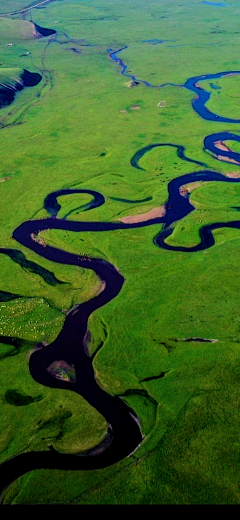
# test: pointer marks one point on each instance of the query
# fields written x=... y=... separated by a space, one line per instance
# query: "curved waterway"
x=180 y=153
x=52 y=205
x=202 y=96
x=124 y=433
x=216 y=145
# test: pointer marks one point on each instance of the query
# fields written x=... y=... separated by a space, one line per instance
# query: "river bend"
x=124 y=433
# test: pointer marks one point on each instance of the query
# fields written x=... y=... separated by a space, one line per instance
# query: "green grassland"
x=17 y=5
x=78 y=128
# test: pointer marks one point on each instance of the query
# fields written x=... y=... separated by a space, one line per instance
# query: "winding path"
x=28 y=8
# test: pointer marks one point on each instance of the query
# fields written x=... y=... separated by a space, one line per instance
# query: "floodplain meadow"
x=79 y=128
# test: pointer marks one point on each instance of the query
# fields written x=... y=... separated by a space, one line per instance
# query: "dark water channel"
x=124 y=432
x=27 y=79
x=43 y=31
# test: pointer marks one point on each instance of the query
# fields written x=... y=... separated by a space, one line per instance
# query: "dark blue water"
x=43 y=31
x=199 y=103
x=123 y=68
x=124 y=433
x=215 y=4
x=27 y=79
x=180 y=153
x=209 y=145
x=52 y=205
x=192 y=84
x=215 y=87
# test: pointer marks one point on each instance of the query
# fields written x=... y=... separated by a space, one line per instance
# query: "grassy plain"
x=54 y=135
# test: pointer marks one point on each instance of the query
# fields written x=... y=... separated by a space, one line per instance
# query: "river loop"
x=124 y=431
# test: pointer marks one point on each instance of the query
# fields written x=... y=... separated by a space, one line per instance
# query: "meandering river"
x=124 y=431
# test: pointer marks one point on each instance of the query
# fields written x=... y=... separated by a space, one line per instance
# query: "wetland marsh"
x=102 y=332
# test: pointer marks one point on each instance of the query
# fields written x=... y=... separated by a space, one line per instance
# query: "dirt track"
x=27 y=8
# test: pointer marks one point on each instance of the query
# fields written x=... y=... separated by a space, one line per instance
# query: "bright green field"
x=78 y=128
